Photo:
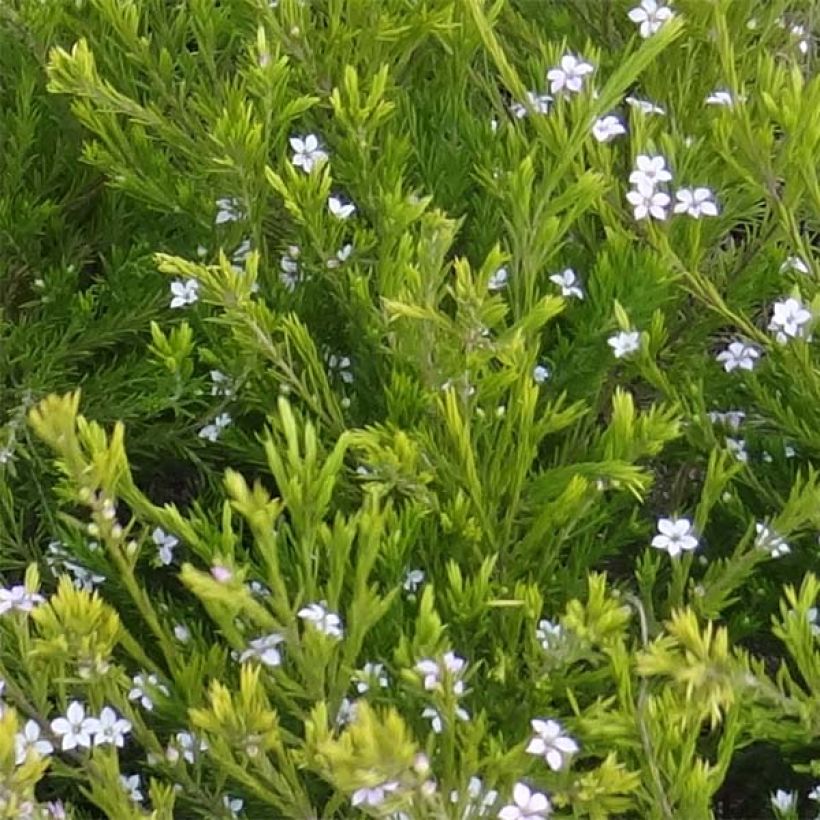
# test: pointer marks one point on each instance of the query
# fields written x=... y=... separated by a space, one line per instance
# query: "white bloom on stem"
x=790 y=319
x=606 y=129
x=675 y=535
x=649 y=171
x=650 y=17
x=548 y=634
x=341 y=365
x=74 y=728
x=721 y=97
x=783 y=801
x=696 y=202
x=568 y=282
x=498 y=280
x=526 y=805
x=550 y=742
x=182 y=633
x=264 y=650
x=413 y=580
x=795 y=263
x=342 y=255
x=18 y=599
x=434 y=673
x=29 y=739
x=731 y=418
x=221 y=384
x=436 y=721
x=110 y=728
x=184 y=293
x=131 y=784
x=233 y=804
x=738 y=355
x=229 y=209
x=813 y=616
x=187 y=745
x=624 y=343
x=369 y=674
x=644 y=106
x=329 y=623
x=539 y=103
x=767 y=539
x=569 y=74
x=340 y=208
x=165 y=545
x=306 y=152
x=647 y=202
x=737 y=447
x=211 y=432
x=540 y=373
x=814 y=794
x=143 y=687
x=373 y=796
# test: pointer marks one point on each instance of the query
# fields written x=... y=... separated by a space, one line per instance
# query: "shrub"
x=409 y=409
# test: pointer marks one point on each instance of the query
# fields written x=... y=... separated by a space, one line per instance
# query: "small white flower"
x=240 y=255
x=211 y=432
x=132 y=786
x=784 y=801
x=814 y=794
x=624 y=343
x=437 y=723
x=568 y=282
x=607 y=128
x=264 y=650
x=813 y=616
x=498 y=280
x=644 y=106
x=229 y=209
x=18 y=599
x=539 y=103
x=74 y=729
x=341 y=365
x=182 y=633
x=696 y=202
x=306 y=152
x=721 y=97
x=342 y=255
x=413 y=580
x=187 y=745
x=526 y=805
x=346 y=713
x=647 y=202
x=434 y=672
x=29 y=739
x=550 y=742
x=480 y=802
x=795 y=263
x=768 y=540
x=650 y=17
x=289 y=266
x=739 y=355
x=373 y=796
x=737 y=447
x=340 y=208
x=322 y=619
x=221 y=384
x=143 y=687
x=184 y=293
x=165 y=544
x=540 y=373
x=110 y=728
x=799 y=33
x=790 y=319
x=649 y=171
x=369 y=674
x=548 y=634
x=675 y=535
x=233 y=804
x=569 y=75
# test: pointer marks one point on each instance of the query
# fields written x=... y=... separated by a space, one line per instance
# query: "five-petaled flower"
x=738 y=355
x=539 y=103
x=540 y=373
x=413 y=580
x=568 y=282
x=721 y=97
x=165 y=545
x=644 y=106
x=29 y=739
x=184 y=293
x=229 y=209
x=650 y=16
x=767 y=539
x=550 y=742
x=624 y=343
x=569 y=74
x=790 y=319
x=548 y=634
x=74 y=729
x=607 y=128
x=211 y=432
x=784 y=801
x=18 y=599
x=131 y=784
x=526 y=805
x=373 y=796
x=696 y=202
x=646 y=201
x=434 y=672
x=675 y=535
x=498 y=280
x=306 y=152
x=110 y=728
x=649 y=171
x=322 y=619
x=264 y=650
x=143 y=687
x=340 y=208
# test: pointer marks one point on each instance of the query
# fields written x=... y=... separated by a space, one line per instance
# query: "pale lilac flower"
x=790 y=319
x=795 y=263
x=569 y=74
x=548 y=634
x=306 y=152
x=568 y=282
x=644 y=106
x=526 y=805
x=650 y=17
x=342 y=255
x=369 y=674
x=187 y=745
x=29 y=739
x=813 y=616
x=783 y=801
x=211 y=432
x=74 y=729
x=767 y=539
x=737 y=447
x=329 y=623
x=540 y=373
x=166 y=544
x=373 y=796
x=624 y=343
x=289 y=269
x=346 y=713
x=229 y=209
x=233 y=804
x=221 y=384
x=695 y=202
x=413 y=580
x=182 y=633
x=647 y=202
x=342 y=366
x=434 y=672
x=539 y=103
x=340 y=208
x=436 y=721
x=480 y=802
x=550 y=742
x=18 y=599
x=264 y=650
x=649 y=171
x=731 y=418
x=132 y=786
x=498 y=280
x=814 y=794
x=143 y=688
x=184 y=293
x=606 y=129
x=721 y=97
x=675 y=535
x=739 y=355
x=110 y=728
x=240 y=255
